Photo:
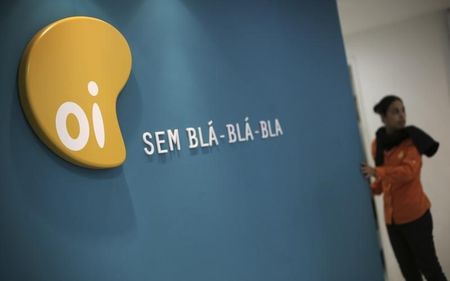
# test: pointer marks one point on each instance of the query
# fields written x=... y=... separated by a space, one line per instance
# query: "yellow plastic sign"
x=71 y=74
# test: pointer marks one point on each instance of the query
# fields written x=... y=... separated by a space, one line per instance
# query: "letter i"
x=97 y=117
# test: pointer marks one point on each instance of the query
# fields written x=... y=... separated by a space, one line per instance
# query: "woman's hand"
x=367 y=170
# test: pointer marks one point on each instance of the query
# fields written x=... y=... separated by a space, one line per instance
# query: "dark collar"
x=424 y=143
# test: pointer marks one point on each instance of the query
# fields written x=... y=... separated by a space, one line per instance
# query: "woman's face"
x=395 y=118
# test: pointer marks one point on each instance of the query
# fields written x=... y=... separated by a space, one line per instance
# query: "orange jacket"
x=399 y=179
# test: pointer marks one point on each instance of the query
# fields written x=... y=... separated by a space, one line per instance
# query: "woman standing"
x=397 y=152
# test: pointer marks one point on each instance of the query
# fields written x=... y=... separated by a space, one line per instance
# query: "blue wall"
x=288 y=208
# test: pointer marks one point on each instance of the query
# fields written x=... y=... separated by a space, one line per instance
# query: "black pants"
x=414 y=249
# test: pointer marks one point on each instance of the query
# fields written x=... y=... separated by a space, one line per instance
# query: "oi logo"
x=70 y=76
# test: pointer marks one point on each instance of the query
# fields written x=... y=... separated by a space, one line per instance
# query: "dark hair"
x=382 y=106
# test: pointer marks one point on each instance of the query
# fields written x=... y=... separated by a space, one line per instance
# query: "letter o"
x=78 y=143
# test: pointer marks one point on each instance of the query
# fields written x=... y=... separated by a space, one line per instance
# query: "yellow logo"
x=70 y=76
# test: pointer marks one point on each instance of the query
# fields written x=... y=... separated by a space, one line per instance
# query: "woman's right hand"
x=368 y=171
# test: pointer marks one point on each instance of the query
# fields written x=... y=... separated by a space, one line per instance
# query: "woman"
x=397 y=152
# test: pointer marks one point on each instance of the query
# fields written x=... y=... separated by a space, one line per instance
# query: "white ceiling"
x=361 y=15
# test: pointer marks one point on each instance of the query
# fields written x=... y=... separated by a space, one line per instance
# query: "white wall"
x=410 y=59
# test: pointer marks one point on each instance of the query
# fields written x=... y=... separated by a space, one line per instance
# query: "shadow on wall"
x=87 y=204
x=129 y=110
x=119 y=10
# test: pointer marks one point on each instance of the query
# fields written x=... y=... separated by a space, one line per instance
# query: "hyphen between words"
x=162 y=142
